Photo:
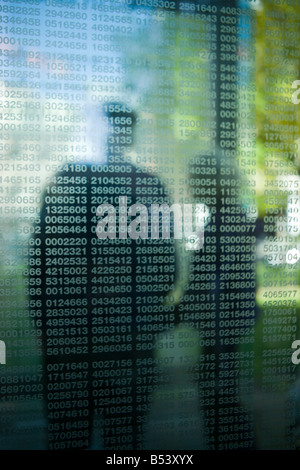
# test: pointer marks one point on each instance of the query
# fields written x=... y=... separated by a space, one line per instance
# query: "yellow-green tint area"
x=274 y=164
x=276 y=117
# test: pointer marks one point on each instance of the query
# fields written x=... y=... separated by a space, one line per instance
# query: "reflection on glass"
x=140 y=343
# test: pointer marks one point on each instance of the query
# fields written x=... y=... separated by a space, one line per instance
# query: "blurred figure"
x=101 y=299
x=220 y=299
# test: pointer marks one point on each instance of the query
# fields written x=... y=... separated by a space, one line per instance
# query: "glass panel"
x=150 y=231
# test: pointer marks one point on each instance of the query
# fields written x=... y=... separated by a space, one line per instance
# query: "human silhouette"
x=102 y=299
x=222 y=285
